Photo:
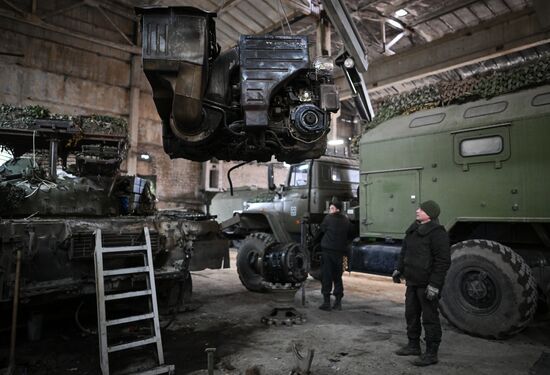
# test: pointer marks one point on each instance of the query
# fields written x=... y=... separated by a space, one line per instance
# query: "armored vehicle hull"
x=57 y=254
x=62 y=185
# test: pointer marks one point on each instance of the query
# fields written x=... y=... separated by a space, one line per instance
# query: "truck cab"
x=310 y=187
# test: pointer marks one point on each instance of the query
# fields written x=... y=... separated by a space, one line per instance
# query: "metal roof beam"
x=504 y=35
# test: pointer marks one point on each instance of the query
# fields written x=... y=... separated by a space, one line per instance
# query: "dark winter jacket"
x=336 y=231
x=425 y=256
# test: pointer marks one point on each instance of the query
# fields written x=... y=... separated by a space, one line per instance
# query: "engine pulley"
x=309 y=119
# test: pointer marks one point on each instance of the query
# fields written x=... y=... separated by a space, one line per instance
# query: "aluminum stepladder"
x=102 y=323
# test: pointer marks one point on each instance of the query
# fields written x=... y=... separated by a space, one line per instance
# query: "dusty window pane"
x=344 y=175
x=481 y=146
x=214 y=178
x=298 y=175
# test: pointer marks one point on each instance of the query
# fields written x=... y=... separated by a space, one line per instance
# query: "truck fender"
x=260 y=221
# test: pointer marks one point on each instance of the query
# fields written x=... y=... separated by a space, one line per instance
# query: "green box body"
x=434 y=154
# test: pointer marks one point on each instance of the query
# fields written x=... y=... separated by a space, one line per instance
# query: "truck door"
x=295 y=196
x=392 y=198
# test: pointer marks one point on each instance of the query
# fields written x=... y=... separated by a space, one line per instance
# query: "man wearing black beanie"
x=423 y=261
x=335 y=231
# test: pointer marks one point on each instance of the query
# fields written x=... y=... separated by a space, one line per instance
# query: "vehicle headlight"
x=323 y=64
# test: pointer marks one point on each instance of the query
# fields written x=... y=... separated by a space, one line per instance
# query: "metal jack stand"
x=283 y=313
x=304 y=225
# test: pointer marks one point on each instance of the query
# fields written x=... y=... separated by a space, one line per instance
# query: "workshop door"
x=392 y=199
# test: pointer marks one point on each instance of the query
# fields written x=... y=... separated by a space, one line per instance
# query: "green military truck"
x=487 y=163
x=281 y=218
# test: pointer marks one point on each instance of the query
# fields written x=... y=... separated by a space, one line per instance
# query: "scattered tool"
x=210 y=358
x=303 y=364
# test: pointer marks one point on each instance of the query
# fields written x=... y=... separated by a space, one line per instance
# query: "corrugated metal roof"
x=426 y=21
x=238 y=17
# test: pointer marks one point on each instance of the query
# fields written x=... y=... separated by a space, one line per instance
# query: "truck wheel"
x=251 y=248
x=489 y=290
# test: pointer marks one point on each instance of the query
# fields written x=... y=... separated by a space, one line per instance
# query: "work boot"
x=326 y=303
x=428 y=358
x=338 y=303
x=412 y=348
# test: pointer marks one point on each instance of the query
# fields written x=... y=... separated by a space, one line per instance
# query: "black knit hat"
x=431 y=209
x=337 y=204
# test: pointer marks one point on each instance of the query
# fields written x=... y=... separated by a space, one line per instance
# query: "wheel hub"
x=479 y=290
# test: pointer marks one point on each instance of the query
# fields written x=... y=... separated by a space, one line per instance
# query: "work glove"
x=396 y=276
x=432 y=293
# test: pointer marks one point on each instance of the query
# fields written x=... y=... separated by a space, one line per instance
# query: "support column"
x=323 y=46
x=53 y=158
x=334 y=125
x=133 y=117
x=323 y=39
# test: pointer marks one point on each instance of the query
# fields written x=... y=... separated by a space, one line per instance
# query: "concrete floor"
x=360 y=339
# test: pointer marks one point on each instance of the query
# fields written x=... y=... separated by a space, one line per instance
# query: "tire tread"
x=268 y=240
x=524 y=278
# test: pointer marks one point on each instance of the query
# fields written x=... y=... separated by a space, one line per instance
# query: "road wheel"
x=172 y=295
x=489 y=290
x=252 y=248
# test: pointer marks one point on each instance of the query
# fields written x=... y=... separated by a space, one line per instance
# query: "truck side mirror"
x=270 y=178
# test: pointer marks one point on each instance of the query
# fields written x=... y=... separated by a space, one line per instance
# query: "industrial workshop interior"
x=274 y=187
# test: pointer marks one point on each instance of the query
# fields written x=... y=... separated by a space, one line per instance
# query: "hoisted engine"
x=261 y=98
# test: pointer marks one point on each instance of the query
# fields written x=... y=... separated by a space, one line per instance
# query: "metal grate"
x=83 y=243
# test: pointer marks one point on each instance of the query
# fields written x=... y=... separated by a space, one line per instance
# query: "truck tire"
x=252 y=247
x=489 y=290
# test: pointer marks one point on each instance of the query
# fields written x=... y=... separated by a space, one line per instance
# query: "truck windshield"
x=298 y=174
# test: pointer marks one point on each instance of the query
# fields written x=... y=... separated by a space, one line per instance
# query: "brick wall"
x=87 y=75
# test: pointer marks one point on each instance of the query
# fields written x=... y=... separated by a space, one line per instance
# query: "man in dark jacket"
x=335 y=230
x=424 y=261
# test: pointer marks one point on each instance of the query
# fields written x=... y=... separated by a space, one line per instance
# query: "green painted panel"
x=392 y=198
x=470 y=181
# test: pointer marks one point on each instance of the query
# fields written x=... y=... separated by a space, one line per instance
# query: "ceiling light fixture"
x=335 y=142
x=401 y=13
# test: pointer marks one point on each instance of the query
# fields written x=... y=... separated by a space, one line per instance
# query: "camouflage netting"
x=10 y=197
x=483 y=86
x=22 y=118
